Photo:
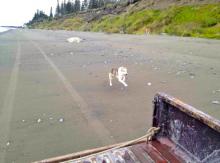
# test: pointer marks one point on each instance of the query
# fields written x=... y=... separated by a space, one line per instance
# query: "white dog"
x=74 y=39
x=119 y=73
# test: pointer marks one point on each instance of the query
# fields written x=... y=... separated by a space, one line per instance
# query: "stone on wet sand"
x=61 y=120
x=39 y=120
x=216 y=102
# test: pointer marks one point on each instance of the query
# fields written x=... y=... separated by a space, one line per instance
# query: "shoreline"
x=5 y=31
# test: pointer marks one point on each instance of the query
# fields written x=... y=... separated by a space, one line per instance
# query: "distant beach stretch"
x=4 y=29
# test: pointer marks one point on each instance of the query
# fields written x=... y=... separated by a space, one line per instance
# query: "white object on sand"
x=74 y=39
x=216 y=102
x=149 y=84
x=215 y=91
x=39 y=120
x=8 y=143
x=61 y=120
x=163 y=82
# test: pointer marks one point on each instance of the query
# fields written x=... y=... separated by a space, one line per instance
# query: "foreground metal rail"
x=186 y=135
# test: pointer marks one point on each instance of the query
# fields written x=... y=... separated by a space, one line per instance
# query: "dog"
x=147 y=31
x=74 y=39
x=119 y=73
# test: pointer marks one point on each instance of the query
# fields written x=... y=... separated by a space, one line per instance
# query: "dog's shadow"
x=116 y=86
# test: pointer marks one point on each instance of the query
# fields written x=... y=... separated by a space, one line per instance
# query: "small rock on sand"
x=216 y=102
x=61 y=120
x=156 y=68
x=192 y=75
x=164 y=82
x=178 y=73
x=8 y=143
x=39 y=120
x=216 y=91
x=149 y=84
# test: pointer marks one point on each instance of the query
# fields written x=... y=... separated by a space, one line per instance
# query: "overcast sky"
x=18 y=12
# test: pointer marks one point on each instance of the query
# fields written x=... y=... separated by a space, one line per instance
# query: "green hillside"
x=191 y=20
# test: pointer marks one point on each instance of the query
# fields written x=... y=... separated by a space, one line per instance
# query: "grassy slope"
x=195 y=21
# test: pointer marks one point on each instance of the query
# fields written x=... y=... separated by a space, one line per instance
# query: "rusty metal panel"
x=121 y=155
x=193 y=132
x=143 y=151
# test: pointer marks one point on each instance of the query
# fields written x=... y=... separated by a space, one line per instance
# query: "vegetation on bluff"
x=189 y=20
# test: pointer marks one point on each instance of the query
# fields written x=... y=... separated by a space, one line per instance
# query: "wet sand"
x=55 y=97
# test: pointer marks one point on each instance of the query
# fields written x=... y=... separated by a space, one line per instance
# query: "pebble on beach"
x=216 y=102
x=39 y=120
x=8 y=143
x=216 y=91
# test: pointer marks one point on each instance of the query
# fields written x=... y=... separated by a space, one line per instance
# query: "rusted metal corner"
x=190 y=110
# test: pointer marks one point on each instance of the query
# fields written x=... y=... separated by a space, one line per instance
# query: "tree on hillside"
x=62 y=10
x=39 y=16
x=101 y=3
x=77 y=5
x=64 y=4
x=69 y=7
x=51 y=13
x=93 y=4
x=58 y=13
x=58 y=10
x=84 y=5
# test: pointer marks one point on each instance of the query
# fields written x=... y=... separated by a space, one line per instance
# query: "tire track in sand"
x=8 y=106
x=101 y=131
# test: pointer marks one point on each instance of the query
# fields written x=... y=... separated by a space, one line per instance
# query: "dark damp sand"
x=63 y=103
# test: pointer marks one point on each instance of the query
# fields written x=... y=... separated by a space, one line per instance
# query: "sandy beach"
x=55 y=96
